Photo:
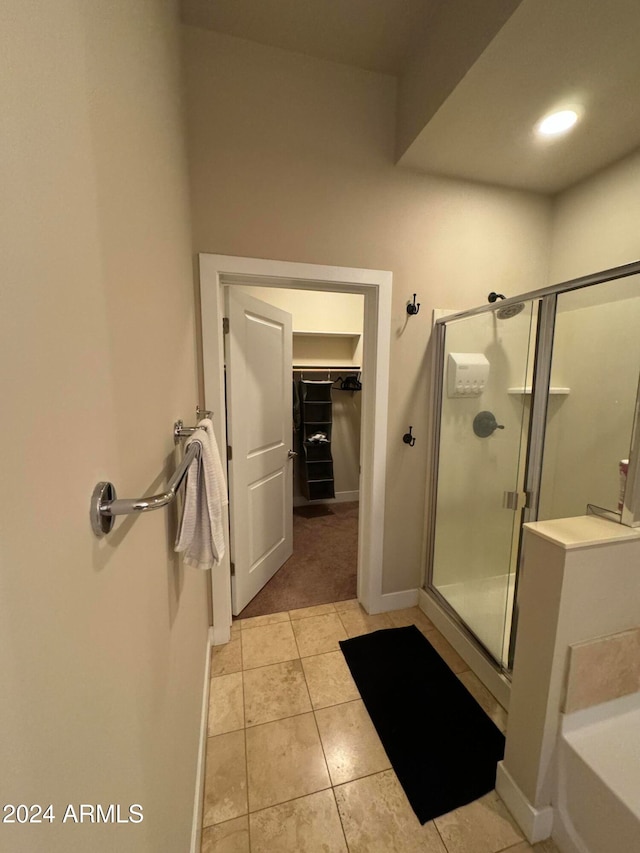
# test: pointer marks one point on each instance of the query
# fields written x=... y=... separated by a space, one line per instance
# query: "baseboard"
x=341 y=497
x=395 y=601
x=535 y=823
x=196 y=829
x=493 y=680
x=220 y=634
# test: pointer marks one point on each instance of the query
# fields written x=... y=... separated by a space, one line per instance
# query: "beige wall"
x=291 y=158
x=596 y=350
x=597 y=356
x=595 y=223
x=103 y=642
x=315 y=311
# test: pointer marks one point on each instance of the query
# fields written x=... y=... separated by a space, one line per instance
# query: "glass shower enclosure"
x=537 y=417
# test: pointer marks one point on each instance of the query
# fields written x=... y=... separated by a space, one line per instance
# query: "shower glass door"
x=484 y=420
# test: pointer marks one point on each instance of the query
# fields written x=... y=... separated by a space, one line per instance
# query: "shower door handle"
x=515 y=500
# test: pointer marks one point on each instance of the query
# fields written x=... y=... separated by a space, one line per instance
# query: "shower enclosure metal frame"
x=547 y=298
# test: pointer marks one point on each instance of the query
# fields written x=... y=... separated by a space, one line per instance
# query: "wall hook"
x=408 y=438
x=412 y=308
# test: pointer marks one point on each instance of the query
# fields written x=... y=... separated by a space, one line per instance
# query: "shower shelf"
x=554 y=389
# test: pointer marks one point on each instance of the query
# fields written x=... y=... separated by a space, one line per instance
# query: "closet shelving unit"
x=325 y=350
x=318 y=358
x=316 y=419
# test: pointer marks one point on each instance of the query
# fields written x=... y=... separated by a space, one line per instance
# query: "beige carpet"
x=324 y=564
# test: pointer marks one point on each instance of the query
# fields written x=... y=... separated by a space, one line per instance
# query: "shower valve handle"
x=485 y=424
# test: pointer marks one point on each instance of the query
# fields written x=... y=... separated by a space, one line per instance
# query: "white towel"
x=201 y=531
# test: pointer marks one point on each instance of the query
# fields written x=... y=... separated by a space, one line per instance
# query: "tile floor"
x=294 y=764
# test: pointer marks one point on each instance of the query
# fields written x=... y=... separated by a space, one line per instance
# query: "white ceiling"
x=549 y=53
x=378 y=35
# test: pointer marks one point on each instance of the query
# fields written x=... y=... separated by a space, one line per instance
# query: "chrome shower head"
x=509 y=311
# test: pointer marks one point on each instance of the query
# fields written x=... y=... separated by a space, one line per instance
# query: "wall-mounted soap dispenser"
x=467 y=374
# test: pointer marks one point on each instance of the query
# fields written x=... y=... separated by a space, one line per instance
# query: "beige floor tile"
x=485 y=699
x=261 y=621
x=542 y=847
x=308 y=825
x=285 y=761
x=329 y=680
x=410 y=616
x=377 y=818
x=545 y=847
x=319 y=634
x=484 y=826
x=316 y=610
x=268 y=644
x=349 y=604
x=235 y=628
x=226 y=706
x=357 y=622
x=232 y=836
x=351 y=744
x=446 y=651
x=225 y=786
x=276 y=691
x=226 y=658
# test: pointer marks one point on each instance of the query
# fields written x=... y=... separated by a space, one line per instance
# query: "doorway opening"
x=324 y=412
x=220 y=275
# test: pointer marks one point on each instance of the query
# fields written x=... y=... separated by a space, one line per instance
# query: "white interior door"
x=259 y=422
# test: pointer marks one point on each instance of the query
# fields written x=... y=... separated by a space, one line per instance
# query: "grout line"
x=266 y=624
x=368 y=776
x=291 y=800
x=298 y=618
x=324 y=754
x=311 y=615
x=337 y=704
x=344 y=627
x=306 y=685
x=344 y=831
x=440 y=835
x=279 y=719
x=295 y=640
x=263 y=665
x=513 y=846
x=246 y=752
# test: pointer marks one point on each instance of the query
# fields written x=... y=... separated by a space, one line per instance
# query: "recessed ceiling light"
x=558 y=122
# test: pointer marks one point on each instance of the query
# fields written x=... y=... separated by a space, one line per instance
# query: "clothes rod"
x=351 y=368
x=105 y=504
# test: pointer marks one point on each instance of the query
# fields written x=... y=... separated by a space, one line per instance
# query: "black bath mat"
x=441 y=744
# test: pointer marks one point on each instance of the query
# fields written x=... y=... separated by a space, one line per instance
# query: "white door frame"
x=219 y=271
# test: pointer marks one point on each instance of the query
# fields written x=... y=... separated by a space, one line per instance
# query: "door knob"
x=291 y=454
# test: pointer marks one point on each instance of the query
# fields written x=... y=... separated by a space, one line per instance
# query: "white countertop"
x=583 y=531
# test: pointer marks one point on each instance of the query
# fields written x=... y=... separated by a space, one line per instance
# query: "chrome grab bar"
x=125 y=506
x=105 y=504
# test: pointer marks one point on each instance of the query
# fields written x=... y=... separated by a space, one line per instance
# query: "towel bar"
x=180 y=430
x=105 y=504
